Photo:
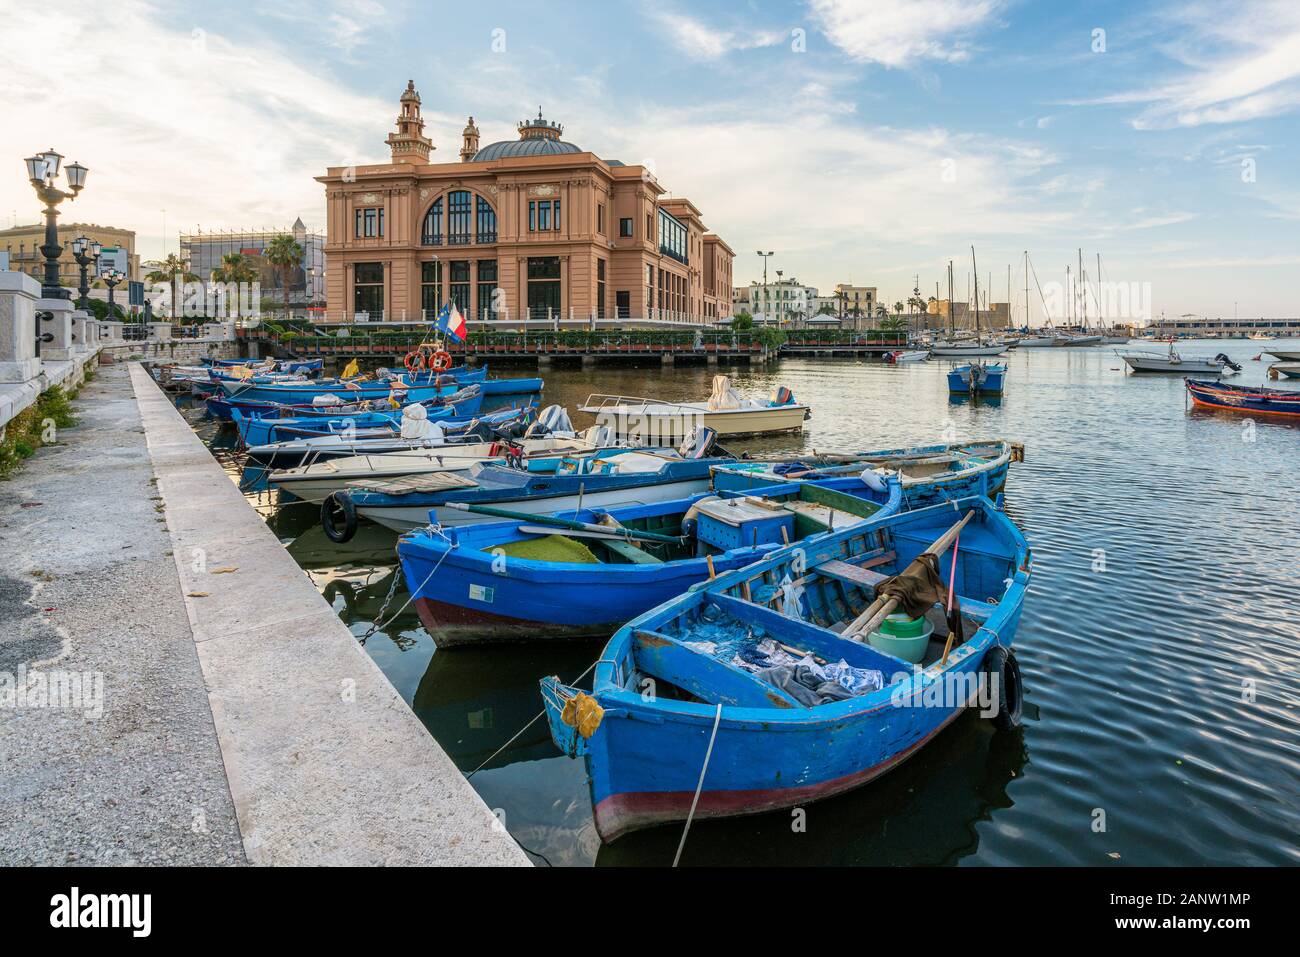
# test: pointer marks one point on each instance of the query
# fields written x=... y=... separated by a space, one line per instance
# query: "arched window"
x=459 y=213
x=431 y=231
x=487 y=221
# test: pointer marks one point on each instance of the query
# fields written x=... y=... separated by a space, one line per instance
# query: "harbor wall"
x=327 y=764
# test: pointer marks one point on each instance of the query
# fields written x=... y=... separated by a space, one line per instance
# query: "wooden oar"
x=564 y=523
x=882 y=608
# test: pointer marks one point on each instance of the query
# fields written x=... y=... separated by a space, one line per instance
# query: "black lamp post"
x=42 y=170
x=111 y=280
x=86 y=253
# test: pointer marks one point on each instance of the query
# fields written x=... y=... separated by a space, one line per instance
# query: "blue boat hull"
x=995 y=376
x=988 y=477
x=475 y=597
x=645 y=757
x=512 y=386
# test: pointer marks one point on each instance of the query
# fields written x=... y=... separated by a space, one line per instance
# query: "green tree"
x=893 y=323
x=284 y=254
x=742 y=321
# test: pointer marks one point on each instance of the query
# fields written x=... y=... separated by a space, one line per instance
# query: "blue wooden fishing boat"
x=512 y=386
x=467 y=400
x=261 y=430
x=305 y=393
x=977 y=378
x=930 y=473
x=309 y=442
x=796 y=678
x=291 y=366
x=585 y=573
x=542 y=487
x=1243 y=398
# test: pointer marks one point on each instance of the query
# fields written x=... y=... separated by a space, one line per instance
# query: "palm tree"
x=898 y=307
x=166 y=272
x=284 y=254
x=235 y=267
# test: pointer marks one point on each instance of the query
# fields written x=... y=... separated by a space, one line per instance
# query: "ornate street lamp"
x=42 y=171
x=111 y=280
x=86 y=253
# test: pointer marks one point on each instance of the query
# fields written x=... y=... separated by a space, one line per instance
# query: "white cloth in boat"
x=328 y=398
x=416 y=424
x=723 y=395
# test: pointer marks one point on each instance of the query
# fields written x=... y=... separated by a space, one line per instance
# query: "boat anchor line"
x=392 y=590
x=708 y=753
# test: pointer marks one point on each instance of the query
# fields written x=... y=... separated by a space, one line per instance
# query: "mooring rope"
x=515 y=736
x=717 y=718
x=397 y=575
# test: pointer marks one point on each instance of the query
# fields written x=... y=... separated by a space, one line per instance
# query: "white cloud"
x=702 y=41
x=218 y=133
x=1238 y=65
x=900 y=32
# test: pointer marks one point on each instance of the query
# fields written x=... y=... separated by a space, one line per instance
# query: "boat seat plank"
x=704 y=676
x=976 y=610
x=856 y=574
x=633 y=554
x=425 y=482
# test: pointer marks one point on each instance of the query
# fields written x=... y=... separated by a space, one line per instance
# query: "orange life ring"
x=414 y=361
x=440 y=361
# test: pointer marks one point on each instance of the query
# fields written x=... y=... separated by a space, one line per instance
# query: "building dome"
x=537 y=137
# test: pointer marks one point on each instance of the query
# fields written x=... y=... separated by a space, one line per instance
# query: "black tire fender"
x=338 y=517
x=1000 y=666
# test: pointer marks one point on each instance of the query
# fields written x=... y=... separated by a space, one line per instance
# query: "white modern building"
x=784 y=301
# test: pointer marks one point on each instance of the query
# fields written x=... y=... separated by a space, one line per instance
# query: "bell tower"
x=470 y=149
x=408 y=143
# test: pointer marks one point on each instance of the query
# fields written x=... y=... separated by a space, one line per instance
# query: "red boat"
x=1244 y=398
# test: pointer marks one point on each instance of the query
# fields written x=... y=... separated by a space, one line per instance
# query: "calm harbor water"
x=1159 y=643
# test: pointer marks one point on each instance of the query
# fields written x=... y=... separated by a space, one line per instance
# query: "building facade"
x=785 y=301
x=206 y=251
x=23 y=243
x=534 y=227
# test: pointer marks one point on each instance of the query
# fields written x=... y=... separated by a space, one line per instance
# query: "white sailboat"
x=955 y=345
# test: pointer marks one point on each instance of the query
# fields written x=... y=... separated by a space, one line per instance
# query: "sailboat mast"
x=1083 y=292
x=952 y=323
x=975 y=270
x=1101 y=320
x=1026 y=288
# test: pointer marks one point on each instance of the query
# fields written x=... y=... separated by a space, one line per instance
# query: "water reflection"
x=1159 y=641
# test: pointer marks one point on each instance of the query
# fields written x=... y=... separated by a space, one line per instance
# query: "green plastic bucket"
x=903 y=637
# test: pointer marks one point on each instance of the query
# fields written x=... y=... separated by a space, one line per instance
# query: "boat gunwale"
x=458 y=534
x=606 y=686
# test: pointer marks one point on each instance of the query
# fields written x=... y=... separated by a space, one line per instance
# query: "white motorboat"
x=1286 y=355
x=1289 y=369
x=1178 y=364
x=660 y=422
x=317 y=481
x=1041 y=342
x=916 y=355
x=1084 y=340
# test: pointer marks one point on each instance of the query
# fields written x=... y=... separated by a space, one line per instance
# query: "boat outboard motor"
x=1228 y=362
x=698 y=444
x=553 y=418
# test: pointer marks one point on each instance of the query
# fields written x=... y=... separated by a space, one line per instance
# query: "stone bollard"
x=222 y=331
x=55 y=317
x=18 y=295
x=160 y=331
x=81 y=330
x=110 y=332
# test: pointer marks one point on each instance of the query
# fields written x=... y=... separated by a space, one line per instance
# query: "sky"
x=862 y=141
